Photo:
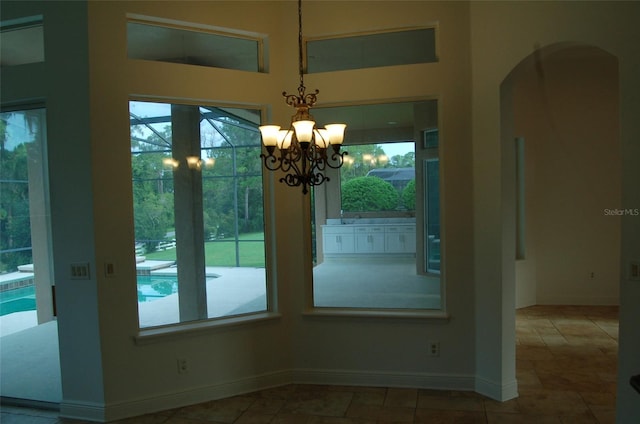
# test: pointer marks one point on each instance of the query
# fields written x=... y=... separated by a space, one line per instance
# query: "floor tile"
x=401 y=397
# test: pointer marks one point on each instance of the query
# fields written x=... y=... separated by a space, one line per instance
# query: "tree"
x=365 y=194
x=15 y=222
x=409 y=195
x=408 y=160
x=361 y=159
x=152 y=187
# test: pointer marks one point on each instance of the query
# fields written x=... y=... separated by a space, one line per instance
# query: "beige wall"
x=566 y=108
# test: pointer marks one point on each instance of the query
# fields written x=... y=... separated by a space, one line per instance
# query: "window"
x=26 y=267
x=401 y=47
x=21 y=41
x=203 y=46
x=372 y=219
x=198 y=210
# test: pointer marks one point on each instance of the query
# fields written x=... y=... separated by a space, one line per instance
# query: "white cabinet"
x=338 y=239
x=400 y=239
x=369 y=239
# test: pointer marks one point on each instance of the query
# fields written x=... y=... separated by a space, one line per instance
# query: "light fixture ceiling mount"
x=302 y=151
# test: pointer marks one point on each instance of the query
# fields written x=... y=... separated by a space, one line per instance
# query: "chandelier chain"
x=300 y=67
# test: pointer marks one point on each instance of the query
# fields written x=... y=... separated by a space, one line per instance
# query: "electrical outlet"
x=634 y=271
x=434 y=349
x=183 y=366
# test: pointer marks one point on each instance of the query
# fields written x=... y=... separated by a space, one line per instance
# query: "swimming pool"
x=150 y=288
x=17 y=300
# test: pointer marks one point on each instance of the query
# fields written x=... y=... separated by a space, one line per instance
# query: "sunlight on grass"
x=223 y=252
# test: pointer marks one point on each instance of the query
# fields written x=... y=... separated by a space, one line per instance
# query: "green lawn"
x=223 y=252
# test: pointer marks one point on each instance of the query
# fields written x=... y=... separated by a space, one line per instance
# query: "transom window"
x=176 y=42
x=389 y=48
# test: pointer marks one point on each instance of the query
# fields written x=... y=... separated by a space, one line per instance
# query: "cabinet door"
x=338 y=243
x=400 y=239
x=369 y=239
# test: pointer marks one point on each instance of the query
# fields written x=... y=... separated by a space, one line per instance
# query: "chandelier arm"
x=318 y=158
x=337 y=158
x=290 y=158
x=271 y=162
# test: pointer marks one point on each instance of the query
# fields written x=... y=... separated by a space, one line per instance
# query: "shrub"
x=364 y=194
x=409 y=195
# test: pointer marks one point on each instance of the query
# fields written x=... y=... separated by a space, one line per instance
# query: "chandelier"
x=303 y=151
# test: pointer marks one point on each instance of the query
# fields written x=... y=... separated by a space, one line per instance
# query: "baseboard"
x=118 y=411
x=497 y=391
x=579 y=300
x=142 y=406
x=85 y=411
x=385 y=379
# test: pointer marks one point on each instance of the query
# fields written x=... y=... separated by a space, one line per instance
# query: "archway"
x=561 y=184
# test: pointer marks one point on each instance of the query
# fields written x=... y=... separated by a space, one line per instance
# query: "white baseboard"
x=579 y=300
x=82 y=411
x=385 y=379
x=495 y=390
x=142 y=406
x=133 y=408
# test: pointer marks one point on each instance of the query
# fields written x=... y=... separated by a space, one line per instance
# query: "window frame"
x=151 y=334
x=440 y=314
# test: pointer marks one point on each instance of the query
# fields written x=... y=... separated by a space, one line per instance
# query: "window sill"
x=436 y=316
x=189 y=329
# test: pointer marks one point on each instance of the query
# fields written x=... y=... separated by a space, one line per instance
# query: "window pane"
x=371 y=50
x=21 y=42
x=198 y=209
x=192 y=47
x=26 y=267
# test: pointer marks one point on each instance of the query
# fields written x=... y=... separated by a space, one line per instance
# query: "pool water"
x=153 y=287
x=149 y=288
x=17 y=300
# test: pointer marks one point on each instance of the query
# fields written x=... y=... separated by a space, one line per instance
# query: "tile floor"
x=566 y=369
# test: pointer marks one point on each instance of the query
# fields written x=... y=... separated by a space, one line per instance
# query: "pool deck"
x=15 y=280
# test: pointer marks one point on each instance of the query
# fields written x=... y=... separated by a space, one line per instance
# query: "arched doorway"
x=561 y=167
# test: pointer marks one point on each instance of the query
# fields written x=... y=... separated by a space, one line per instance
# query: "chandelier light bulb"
x=269 y=134
x=304 y=130
x=321 y=137
x=284 y=139
x=336 y=133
